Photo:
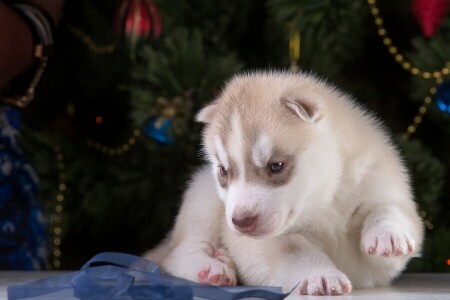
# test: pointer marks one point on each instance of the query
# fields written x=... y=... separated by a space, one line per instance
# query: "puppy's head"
x=269 y=144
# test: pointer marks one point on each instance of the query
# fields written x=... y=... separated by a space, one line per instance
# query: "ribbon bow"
x=123 y=276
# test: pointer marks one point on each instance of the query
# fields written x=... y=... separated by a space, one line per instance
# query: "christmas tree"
x=111 y=131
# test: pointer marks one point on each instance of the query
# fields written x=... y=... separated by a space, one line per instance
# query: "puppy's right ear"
x=206 y=114
x=307 y=111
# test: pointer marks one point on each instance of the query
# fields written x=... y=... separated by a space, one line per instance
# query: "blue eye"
x=276 y=167
x=223 y=172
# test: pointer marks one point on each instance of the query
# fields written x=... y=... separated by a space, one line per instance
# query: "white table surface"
x=407 y=287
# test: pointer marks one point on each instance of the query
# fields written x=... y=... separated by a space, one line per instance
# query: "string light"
x=113 y=151
x=59 y=209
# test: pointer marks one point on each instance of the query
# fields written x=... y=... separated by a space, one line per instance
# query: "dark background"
x=127 y=202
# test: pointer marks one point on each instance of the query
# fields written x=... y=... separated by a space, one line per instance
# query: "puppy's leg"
x=194 y=248
x=201 y=262
x=389 y=222
x=387 y=231
x=195 y=260
x=311 y=270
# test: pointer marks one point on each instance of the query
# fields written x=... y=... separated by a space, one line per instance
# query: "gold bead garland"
x=427 y=221
x=59 y=208
x=411 y=129
x=407 y=65
x=113 y=151
x=87 y=40
x=436 y=75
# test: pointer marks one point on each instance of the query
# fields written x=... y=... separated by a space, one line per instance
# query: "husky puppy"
x=303 y=188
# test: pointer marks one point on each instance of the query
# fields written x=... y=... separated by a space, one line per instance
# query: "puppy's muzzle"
x=246 y=223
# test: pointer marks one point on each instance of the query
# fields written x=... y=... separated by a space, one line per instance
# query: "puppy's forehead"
x=238 y=135
x=245 y=123
x=244 y=142
x=261 y=151
x=237 y=139
x=221 y=153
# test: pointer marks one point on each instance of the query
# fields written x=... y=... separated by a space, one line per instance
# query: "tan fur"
x=339 y=213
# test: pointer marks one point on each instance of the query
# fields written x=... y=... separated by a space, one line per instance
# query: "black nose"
x=246 y=222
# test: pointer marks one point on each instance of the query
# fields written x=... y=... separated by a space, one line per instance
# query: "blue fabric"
x=23 y=230
x=124 y=276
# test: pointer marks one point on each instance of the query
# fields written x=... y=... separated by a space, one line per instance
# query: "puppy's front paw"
x=324 y=282
x=218 y=270
x=387 y=239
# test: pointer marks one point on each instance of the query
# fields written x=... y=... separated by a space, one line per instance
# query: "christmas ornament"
x=136 y=21
x=430 y=14
x=443 y=97
x=158 y=128
x=168 y=118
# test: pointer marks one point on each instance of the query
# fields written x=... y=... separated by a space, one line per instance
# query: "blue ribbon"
x=123 y=276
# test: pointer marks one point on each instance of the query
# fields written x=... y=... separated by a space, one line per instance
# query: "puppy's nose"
x=246 y=223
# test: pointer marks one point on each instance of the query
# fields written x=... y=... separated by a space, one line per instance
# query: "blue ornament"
x=443 y=97
x=157 y=127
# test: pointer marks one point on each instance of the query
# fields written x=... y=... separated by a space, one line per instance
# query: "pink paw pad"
x=220 y=270
x=208 y=276
x=387 y=244
x=328 y=283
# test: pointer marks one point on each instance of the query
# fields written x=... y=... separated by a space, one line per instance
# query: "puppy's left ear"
x=307 y=111
x=206 y=114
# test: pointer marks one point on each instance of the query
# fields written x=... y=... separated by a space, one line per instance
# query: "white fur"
x=223 y=157
x=261 y=151
x=235 y=140
x=344 y=218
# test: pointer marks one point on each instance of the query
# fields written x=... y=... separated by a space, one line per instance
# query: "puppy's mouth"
x=247 y=229
x=248 y=224
x=256 y=228
x=254 y=233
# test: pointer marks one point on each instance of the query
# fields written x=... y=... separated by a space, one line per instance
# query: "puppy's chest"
x=256 y=259
x=252 y=257
x=328 y=230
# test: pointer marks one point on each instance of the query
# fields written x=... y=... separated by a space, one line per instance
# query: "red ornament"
x=136 y=21
x=430 y=14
